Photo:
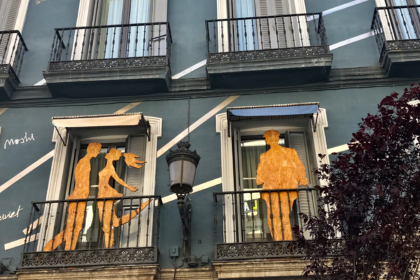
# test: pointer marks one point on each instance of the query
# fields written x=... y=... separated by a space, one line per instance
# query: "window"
x=259 y=32
x=127 y=133
x=132 y=41
x=242 y=144
x=89 y=237
x=12 y=17
x=408 y=19
x=399 y=22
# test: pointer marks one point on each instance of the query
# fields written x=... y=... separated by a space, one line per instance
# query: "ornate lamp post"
x=182 y=166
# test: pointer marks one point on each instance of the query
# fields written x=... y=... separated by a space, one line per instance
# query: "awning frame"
x=232 y=118
x=143 y=123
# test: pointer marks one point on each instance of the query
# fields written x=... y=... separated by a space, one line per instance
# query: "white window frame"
x=59 y=162
x=319 y=143
x=21 y=17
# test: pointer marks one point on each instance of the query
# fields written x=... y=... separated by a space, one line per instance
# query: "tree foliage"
x=372 y=199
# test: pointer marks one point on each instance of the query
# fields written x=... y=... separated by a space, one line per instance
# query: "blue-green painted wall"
x=345 y=108
x=38 y=33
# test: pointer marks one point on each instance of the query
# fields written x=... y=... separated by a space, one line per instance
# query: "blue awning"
x=272 y=112
x=275 y=111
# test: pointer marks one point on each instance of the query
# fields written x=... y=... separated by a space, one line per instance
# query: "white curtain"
x=139 y=35
x=407 y=29
x=245 y=8
x=113 y=16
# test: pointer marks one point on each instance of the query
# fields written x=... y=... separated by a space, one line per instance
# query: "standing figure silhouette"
x=280 y=168
x=76 y=210
x=107 y=214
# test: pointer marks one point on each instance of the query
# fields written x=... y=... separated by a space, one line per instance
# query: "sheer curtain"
x=112 y=14
x=245 y=8
x=250 y=161
x=403 y=15
x=139 y=35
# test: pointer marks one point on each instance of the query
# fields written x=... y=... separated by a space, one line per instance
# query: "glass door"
x=90 y=236
x=126 y=41
x=255 y=210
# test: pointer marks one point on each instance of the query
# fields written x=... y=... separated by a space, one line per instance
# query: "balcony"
x=109 y=60
x=12 y=50
x=267 y=51
x=245 y=223
x=397 y=33
x=129 y=241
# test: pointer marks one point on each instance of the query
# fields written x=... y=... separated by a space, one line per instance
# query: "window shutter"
x=270 y=8
x=297 y=141
x=8 y=11
x=12 y=15
x=134 y=176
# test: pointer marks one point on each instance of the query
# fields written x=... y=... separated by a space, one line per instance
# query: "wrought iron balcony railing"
x=246 y=221
x=12 y=50
x=94 y=231
x=280 y=36
x=111 y=46
x=396 y=28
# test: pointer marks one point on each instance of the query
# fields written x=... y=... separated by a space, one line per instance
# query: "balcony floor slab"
x=231 y=71
x=108 y=82
x=402 y=63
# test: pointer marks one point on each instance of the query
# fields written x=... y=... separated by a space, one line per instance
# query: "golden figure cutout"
x=280 y=168
x=105 y=190
x=81 y=191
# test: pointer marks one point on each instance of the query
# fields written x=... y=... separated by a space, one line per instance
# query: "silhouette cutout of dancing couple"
x=106 y=208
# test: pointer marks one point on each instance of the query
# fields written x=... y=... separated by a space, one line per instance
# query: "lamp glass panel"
x=175 y=172
x=188 y=173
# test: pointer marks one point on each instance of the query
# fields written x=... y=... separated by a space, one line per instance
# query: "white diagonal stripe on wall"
x=338 y=149
x=40 y=83
x=192 y=127
x=26 y=171
x=196 y=189
x=352 y=40
x=2 y=110
x=189 y=70
x=34 y=225
x=338 y=8
x=127 y=108
x=20 y=242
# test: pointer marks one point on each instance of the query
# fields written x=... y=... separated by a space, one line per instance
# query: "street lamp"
x=182 y=165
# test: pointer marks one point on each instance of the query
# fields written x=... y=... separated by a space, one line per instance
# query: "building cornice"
x=364 y=77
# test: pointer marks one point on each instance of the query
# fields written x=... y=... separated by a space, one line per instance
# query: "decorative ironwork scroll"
x=267 y=54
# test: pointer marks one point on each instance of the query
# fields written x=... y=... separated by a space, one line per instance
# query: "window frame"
x=317 y=139
x=60 y=166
